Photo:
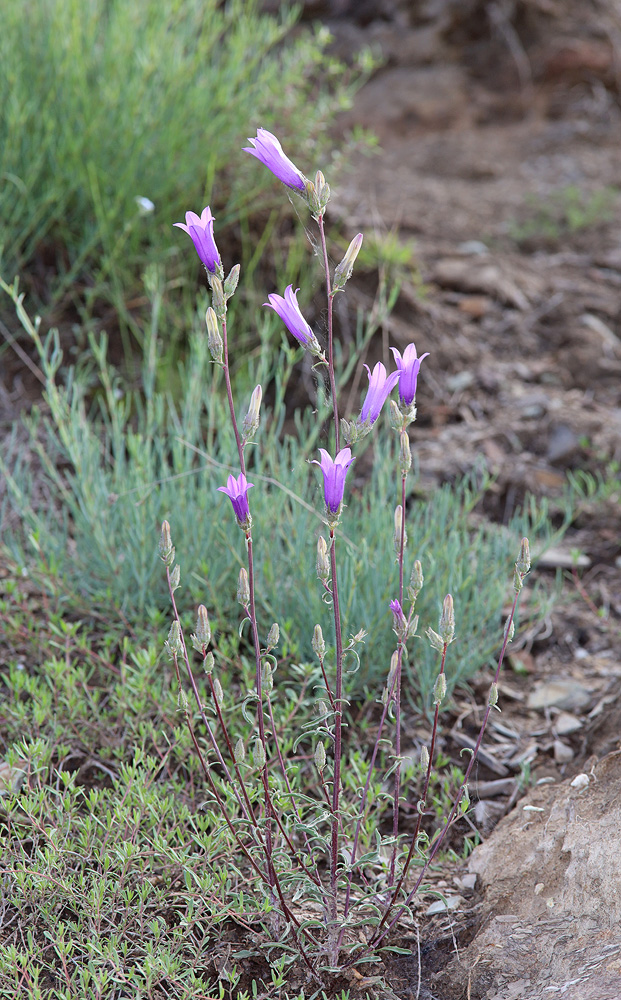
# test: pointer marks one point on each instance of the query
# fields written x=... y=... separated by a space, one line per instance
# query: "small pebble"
x=581 y=781
x=562 y=753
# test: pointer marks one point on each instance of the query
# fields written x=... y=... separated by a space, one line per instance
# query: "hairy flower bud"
x=417 y=579
x=395 y=417
x=399 y=621
x=258 y=754
x=202 y=636
x=523 y=563
x=231 y=282
x=217 y=296
x=394 y=664
x=251 y=420
x=175 y=577
x=214 y=339
x=323 y=561
x=174 y=643
x=218 y=693
x=439 y=689
x=398 y=529
x=243 y=588
x=208 y=663
x=446 y=628
x=405 y=453
x=317 y=194
x=166 y=550
x=424 y=757
x=318 y=643
x=343 y=271
x=492 y=701
x=320 y=757
x=267 y=679
x=436 y=640
x=239 y=751
x=273 y=636
x=510 y=628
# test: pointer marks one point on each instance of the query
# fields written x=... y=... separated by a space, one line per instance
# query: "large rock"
x=551 y=911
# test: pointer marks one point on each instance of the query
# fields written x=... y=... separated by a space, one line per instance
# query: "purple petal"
x=268 y=150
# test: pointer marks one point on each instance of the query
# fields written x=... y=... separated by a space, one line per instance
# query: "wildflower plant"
x=335 y=880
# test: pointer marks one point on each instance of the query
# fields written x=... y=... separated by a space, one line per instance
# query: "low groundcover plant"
x=335 y=880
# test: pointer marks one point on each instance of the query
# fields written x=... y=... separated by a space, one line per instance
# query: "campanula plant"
x=328 y=900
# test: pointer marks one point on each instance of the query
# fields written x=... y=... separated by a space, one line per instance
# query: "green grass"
x=562 y=214
x=105 y=102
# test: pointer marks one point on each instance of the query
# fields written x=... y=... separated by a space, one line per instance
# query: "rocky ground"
x=499 y=126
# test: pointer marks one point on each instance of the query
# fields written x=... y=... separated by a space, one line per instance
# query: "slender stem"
x=229 y=396
x=397 y=781
x=205 y=720
x=379 y=934
x=227 y=739
x=338 y=718
x=363 y=797
x=330 y=294
x=214 y=788
x=421 y=805
x=294 y=852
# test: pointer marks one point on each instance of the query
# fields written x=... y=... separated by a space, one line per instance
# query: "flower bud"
x=510 y=628
x=323 y=561
x=436 y=640
x=493 y=695
x=243 y=588
x=320 y=757
x=424 y=757
x=321 y=708
x=208 y=663
x=251 y=420
x=318 y=644
x=214 y=339
x=267 y=680
x=405 y=453
x=446 y=628
x=317 y=194
x=218 y=693
x=349 y=430
x=417 y=579
x=174 y=643
x=273 y=636
x=395 y=418
x=239 y=751
x=175 y=577
x=398 y=528
x=231 y=282
x=217 y=296
x=523 y=563
x=258 y=754
x=202 y=636
x=439 y=689
x=399 y=621
x=394 y=663
x=343 y=271
x=166 y=550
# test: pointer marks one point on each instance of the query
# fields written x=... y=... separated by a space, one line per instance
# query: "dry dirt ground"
x=499 y=126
